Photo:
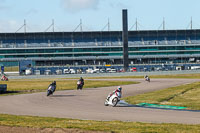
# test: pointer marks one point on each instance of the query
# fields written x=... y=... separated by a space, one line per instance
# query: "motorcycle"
x=79 y=85
x=113 y=99
x=147 y=79
x=51 y=89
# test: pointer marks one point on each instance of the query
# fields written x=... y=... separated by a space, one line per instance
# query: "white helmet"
x=119 y=88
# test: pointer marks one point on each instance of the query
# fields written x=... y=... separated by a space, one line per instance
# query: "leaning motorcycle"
x=51 y=89
x=113 y=99
x=147 y=79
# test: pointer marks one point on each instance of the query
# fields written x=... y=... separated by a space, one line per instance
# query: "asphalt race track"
x=88 y=104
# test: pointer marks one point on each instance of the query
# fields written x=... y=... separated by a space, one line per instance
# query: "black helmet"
x=54 y=82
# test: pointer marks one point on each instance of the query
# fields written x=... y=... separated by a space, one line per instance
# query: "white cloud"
x=120 y=5
x=8 y=26
x=78 y=5
x=12 y=26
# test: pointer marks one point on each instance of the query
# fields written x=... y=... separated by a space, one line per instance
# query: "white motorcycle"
x=113 y=99
x=51 y=89
x=147 y=79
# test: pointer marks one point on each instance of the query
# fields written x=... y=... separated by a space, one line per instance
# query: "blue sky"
x=95 y=13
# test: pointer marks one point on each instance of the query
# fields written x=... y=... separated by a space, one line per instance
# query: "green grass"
x=183 y=76
x=36 y=85
x=184 y=95
x=11 y=69
x=174 y=76
x=108 y=126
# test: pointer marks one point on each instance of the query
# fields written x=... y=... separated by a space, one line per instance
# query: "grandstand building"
x=100 y=48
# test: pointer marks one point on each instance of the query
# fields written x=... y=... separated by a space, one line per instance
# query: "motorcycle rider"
x=146 y=77
x=80 y=83
x=53 y=84
x=118 y=92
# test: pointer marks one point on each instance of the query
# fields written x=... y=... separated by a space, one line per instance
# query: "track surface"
x=88 y=104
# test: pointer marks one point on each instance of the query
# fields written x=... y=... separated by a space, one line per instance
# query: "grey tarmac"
x=88 y=104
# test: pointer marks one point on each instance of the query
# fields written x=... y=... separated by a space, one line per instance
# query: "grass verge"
x=176 y=76
x=12 y=69
x=88 y=125
x=185 y=95
x=37 y=85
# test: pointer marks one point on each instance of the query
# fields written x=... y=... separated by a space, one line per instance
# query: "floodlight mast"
x=163 y=23
x=136 y=27
x=125 y=39
x=81 y=25
x=24 y=26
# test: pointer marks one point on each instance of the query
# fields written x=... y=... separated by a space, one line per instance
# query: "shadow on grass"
x=10 y=93
x=18 y=92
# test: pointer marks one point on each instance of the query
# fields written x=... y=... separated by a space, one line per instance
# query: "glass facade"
x=84 y=47
x=98 y=51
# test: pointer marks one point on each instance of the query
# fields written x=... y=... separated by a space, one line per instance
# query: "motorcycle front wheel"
x=114 y=102
x=105 y=104
x=48 y=93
